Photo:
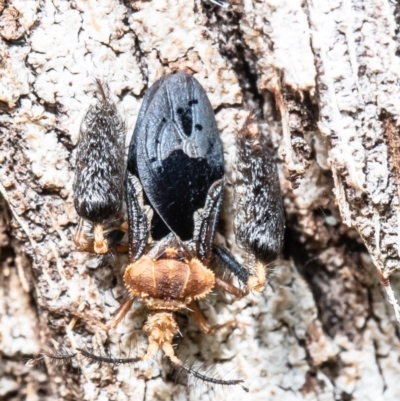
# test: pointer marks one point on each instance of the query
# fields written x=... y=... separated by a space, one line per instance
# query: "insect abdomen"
x=98 y=185
x=260 y=219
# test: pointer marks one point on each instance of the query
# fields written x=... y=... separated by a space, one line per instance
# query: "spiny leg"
x=206 y=220
x=138 y=218
x=118 y=316
x=169 y=351
x=204 y=326
x=229 y=262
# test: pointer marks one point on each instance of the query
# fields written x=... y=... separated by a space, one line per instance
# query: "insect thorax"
x=168 y=283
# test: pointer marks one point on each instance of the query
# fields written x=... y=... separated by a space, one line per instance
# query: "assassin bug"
x=174 y=191
x=98 y=186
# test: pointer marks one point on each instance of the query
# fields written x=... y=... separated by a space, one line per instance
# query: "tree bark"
x=323 y=77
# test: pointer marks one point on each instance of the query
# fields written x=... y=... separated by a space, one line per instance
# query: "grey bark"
x=324 y=78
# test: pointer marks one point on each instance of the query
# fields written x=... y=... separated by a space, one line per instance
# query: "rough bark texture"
x=324 y=76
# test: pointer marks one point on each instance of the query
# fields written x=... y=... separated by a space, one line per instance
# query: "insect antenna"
x=59 y=356
x=105 y=359
x=103 y=90
x=208 y=379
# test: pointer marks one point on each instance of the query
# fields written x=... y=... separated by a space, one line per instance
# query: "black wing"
x=176 y=152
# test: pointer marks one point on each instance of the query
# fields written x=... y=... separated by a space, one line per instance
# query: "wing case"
x=176 y=152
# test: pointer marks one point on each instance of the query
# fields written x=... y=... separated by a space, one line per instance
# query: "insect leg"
x=138 y=218
x=231 y=264
x=206 y=220
x=229 y=287
x=204 y=326
x=119 y=314
x=254 y=281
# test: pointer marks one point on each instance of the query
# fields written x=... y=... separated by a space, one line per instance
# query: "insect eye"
x=199 y=127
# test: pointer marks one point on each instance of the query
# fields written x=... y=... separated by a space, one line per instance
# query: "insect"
x=174 y=190
x=98 y=186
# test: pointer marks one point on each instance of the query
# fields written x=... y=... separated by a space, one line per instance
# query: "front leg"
x=139 y=218
x=119 y=314
x=229 y=287
x=253 y=281
x=229 y=262
x=206 y=220
x=204 y=326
